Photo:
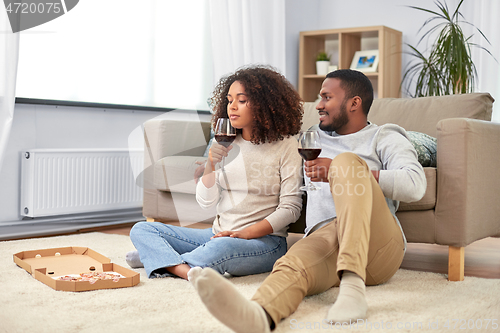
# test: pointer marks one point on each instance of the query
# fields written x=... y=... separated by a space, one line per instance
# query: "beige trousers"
x=364 y=238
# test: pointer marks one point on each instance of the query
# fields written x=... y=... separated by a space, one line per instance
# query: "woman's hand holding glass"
x=225 y=134
x=217 y=153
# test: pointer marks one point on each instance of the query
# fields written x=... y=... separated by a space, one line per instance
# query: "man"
x=353 y=237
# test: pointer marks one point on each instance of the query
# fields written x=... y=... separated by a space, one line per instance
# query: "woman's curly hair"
x=276 y=105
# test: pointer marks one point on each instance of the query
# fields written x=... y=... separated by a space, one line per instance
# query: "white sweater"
x=264 y=183
x=385 y=148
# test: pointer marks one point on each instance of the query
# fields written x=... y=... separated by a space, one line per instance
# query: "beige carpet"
x=410 y=299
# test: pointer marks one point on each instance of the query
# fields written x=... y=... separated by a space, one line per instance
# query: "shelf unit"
x=341 y=45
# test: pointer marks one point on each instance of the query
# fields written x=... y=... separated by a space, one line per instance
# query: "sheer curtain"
x=9 y=53
x=247 y=32
x=484 y=15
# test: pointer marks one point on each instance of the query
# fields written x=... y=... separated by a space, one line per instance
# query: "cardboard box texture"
x=46 y=264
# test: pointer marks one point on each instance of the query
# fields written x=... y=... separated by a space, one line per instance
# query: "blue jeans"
x=162 y=245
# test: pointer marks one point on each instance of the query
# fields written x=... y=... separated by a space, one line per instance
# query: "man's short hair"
x=355 y=83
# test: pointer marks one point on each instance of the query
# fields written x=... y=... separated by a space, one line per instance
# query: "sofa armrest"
x=176 y=173
x=168 y=137
x=165 y=137
x=468 y=180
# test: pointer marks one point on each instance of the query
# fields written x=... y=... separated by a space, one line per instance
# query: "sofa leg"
x=149 y=219
x=456 y=263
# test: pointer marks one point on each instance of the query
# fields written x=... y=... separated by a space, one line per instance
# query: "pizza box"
x=48 y=264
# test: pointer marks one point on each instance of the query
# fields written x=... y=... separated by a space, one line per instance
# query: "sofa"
x=459 y=207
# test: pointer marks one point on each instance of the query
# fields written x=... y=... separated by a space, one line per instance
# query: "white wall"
x=334 y=14
x=392 y=13
x=42 y=126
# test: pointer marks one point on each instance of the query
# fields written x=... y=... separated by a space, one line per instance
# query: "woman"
x=257 y=194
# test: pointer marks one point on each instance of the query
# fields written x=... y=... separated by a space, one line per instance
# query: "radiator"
x=61 y=181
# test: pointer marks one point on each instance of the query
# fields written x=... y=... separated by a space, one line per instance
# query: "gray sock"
x=133 y=259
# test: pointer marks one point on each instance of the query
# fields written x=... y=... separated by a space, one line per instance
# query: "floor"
x=482 y=258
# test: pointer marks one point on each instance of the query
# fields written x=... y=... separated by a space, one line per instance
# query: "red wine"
x=309 y=153
x=224 y=139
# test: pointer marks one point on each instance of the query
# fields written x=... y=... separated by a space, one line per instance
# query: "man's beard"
x=340 y=121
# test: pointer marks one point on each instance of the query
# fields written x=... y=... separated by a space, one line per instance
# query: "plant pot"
x=322 y=67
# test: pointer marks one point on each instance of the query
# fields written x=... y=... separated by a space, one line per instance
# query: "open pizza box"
x=49 y=265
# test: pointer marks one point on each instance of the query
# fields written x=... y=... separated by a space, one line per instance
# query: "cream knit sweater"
x=259 y=182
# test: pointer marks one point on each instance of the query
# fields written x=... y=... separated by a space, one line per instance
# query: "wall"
x=336 y=14
x=41 y=126
x=300 y=16
x=392 y=13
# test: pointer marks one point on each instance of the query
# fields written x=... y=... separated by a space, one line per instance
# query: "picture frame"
x=365 y=61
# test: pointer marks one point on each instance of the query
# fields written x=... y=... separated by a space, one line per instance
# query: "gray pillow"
x=426 y=147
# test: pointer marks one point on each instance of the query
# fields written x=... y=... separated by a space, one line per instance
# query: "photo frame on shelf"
x=365 y=61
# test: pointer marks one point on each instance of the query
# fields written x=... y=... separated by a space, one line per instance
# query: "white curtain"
x=9 y=54
x=484 y=15
x=247 y=32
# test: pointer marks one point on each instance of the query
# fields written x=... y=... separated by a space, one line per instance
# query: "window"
x=149 y=53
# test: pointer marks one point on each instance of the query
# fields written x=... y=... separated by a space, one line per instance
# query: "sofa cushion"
x=310 y=117
x=426 y=147
x=429 y=199
x=176 y=173
x=423 y=113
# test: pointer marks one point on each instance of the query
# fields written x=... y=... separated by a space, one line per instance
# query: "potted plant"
x=322 y=63
x=448 y=68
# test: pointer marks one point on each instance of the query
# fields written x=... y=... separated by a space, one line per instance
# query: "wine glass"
x=224 y=134
x=309 y=149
